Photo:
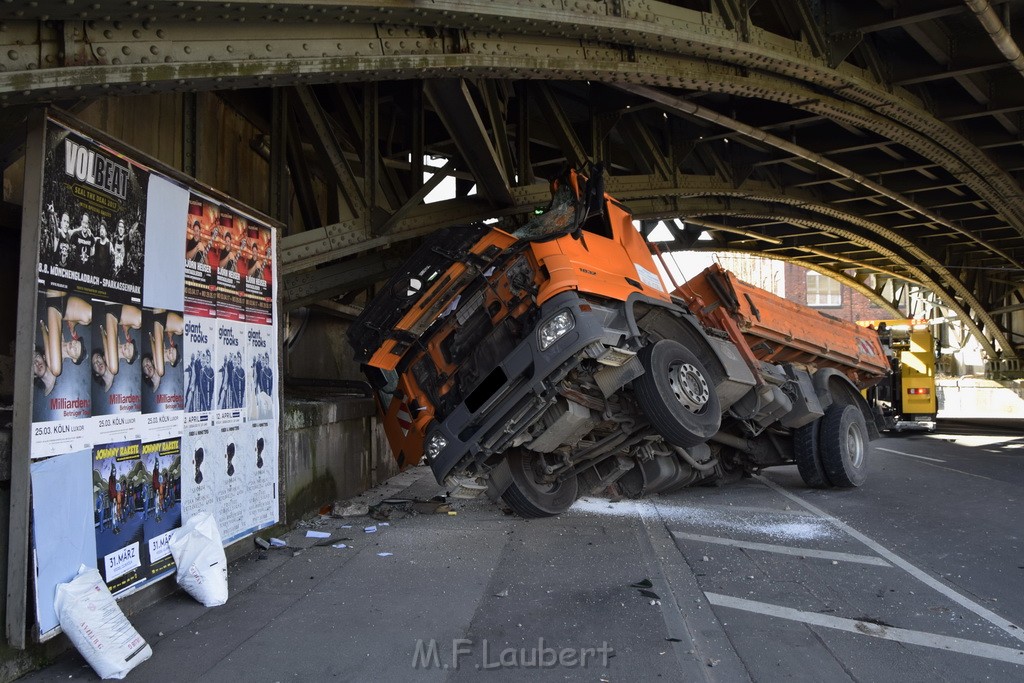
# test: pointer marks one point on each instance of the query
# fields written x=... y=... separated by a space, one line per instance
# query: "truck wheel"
x=528 y=495
x=676 y=394
x=844 y=445
x=806 y=446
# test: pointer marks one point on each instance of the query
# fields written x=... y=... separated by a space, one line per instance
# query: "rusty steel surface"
x=878 y=142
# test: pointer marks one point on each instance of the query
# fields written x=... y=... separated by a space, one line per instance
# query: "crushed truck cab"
x=549 y=359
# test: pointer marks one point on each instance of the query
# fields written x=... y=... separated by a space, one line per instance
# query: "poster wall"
x=154 y=368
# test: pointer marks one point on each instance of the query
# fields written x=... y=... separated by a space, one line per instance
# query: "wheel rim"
x=855 y=445
x=689 y=386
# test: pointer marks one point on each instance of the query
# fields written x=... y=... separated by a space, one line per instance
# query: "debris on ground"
x=278 y=543
x=317 y=534
x=501 y=594
x=262 y=542
x=384 y=554
x=370 y=530
x=646 y=583
x=346 y=509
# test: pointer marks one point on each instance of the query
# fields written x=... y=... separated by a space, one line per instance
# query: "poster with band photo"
x=92 y=232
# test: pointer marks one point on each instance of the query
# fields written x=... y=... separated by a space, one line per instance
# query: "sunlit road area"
x=916 y=576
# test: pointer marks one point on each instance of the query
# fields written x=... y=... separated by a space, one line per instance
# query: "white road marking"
x=918 y=574
x=909 y=455
x=785 y=549
x=901 y=635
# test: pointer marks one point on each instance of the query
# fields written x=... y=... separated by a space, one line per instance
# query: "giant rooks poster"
x=154 y=364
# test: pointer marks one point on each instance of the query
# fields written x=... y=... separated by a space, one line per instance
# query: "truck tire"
x=806 y=452
x=676 y=394
x=844 y=445
x=531 y=498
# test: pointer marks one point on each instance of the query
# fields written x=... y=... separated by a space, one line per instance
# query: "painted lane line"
x=969 y=474
x=900 y=635
x=919 y=574
x=784 y=549
x=909 y=455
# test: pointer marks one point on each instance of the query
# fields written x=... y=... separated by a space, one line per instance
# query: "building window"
x=823 y=291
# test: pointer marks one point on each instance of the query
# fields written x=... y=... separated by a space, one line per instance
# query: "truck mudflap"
x=515 y=393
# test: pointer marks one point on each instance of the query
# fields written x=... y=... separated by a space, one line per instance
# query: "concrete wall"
x=332 y=449
x=980 y=398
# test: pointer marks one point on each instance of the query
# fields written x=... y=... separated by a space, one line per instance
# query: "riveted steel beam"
x=454 y=104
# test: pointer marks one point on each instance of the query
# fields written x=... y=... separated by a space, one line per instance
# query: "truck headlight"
x=555 y=329
x=435 y=444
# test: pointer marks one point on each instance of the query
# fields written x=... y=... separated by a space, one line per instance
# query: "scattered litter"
x=97 y=627
x=501 y=594
x=705 y=559
x=392 y=508
x=646 y=583
x=317 y=534
x=370 y=529
x=339 y=545
x=713 y=662
x=674 y=640
x=655 y=602
x=384 y=554
x=346 y=526
x=262 y=542
x=835 y=562
x=277 y=543
x=198 y=552
x=649 y=594
x=452 y=513
x=384 y=524
x=345 y=509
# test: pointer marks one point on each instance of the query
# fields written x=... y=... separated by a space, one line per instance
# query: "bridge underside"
x=878 y=142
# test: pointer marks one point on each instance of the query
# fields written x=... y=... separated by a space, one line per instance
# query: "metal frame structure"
x=877 y=141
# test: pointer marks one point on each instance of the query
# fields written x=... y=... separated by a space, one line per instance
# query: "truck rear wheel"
x=844 y=445
x=806 y=452
x=529 y=495
x=677 y=395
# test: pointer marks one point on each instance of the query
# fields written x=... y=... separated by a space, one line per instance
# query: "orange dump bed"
x=780 y=331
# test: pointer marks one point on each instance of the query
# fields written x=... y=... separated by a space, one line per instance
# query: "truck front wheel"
x=844 y=445
x=530 y=494
x=677 y=395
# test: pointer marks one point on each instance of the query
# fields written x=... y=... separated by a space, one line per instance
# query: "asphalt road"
x=916 y=576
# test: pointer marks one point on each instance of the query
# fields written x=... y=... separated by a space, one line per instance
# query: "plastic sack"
x=97 y=627
x=202 y=565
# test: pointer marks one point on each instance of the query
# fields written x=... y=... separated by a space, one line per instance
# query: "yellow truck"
x=907 y=397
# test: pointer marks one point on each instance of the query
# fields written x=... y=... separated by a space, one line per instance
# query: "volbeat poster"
x=61 y=377
x=230 y=380
x=161 y=503
x=261 y=383
x=163 y=373
x=116 y=376
x=118 y=480
x=93 y=229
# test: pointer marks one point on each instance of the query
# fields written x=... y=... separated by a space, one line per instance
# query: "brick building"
x=809 y=287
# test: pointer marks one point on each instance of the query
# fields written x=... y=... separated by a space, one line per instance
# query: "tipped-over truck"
x=550 y=359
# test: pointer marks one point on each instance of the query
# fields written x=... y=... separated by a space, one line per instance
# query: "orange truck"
x=549 y=359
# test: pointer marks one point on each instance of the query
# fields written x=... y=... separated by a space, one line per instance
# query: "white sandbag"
x=202 y=565
x=90 y=617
